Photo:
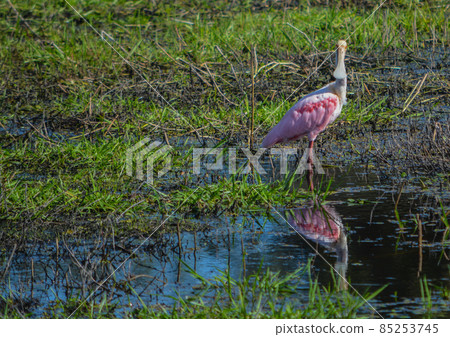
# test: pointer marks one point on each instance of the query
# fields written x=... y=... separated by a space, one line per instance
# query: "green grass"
x=45 y=182
x=196 y=56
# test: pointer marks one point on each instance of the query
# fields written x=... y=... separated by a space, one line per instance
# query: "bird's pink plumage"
x=309 y=116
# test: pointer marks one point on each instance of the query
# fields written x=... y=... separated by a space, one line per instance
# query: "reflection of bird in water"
x=322 y=224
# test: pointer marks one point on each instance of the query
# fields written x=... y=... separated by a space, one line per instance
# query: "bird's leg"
x=310 y=151
x=310 y=173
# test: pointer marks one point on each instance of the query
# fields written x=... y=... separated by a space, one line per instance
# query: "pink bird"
x=311 y=115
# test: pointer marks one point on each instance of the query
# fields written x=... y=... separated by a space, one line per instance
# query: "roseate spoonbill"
x=322 y=224
x=311 y=115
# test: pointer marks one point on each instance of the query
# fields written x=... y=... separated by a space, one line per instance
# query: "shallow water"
x=355 y=231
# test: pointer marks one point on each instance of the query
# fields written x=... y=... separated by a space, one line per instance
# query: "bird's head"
x=341 y=44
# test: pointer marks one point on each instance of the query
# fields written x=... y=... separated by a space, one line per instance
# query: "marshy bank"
x=220 y=245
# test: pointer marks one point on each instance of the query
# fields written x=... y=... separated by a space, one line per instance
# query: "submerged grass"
x=434 y=298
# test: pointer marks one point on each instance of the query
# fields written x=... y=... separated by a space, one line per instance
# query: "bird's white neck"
x=340 y=72
x=340 y=86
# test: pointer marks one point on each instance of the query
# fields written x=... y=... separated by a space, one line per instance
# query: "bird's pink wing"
x=309 y=116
